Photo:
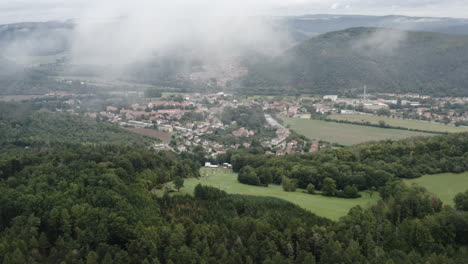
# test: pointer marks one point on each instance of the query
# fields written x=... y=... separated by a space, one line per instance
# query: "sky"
x=12 y=11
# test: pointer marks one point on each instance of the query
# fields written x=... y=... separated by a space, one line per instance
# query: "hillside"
x=312 y=25
x=383 y=59
x=24 y=125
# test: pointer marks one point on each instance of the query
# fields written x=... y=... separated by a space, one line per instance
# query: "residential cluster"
x=447 y=110
x=186 y=122
x=194 y=121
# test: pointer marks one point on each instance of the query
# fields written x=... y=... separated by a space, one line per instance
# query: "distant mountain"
x=55 y=37
x=383 y=59
x=304 y=27
x=32 y=46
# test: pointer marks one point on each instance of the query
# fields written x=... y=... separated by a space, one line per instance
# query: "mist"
x=382 y=42
x=116 y=34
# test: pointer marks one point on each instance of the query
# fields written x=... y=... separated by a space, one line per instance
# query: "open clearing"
x=346 y=134
x=406 y=123
x=330 y=207
x=445 y=185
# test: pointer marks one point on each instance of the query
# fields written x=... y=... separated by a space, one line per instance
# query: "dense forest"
x=94 y=204
x=385 y=60
x=366 y=166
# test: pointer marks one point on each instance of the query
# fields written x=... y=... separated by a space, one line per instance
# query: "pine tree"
x=108 y=259
x=309 y=259
x=17 y=257
x=92 y=258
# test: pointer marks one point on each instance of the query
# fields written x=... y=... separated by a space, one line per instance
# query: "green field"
x=345 y=134
x=166 y=94
x=40 y=59
x=445 y=186
x=329 y=207
x=407 y=123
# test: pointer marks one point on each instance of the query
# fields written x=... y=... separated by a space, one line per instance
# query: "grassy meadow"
x=406 y=123
x=445 y=185
x=330 y=207
x=345 y=134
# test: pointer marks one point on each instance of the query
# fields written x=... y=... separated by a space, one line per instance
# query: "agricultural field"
x=330 y=207
x=406 y=123
x=445 y=185
x=346 y=134
x=44 y=59
x=166 y=94
x=151 y=133
x=18 y=98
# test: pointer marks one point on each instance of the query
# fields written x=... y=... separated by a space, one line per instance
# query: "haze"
x=130 y=32
x=43 y=10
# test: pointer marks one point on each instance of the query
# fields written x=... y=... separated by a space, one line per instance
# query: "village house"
x=112 y=109
x=314 y=147
x=166 y=128
x=243 y=132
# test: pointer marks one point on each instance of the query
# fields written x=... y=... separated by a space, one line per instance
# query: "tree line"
x=365 y=166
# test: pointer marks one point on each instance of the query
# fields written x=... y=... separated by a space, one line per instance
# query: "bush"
x=289 y=185
x=247 y=175
x=208 y=193
x=349 y=192
x=310 y=188
x=461 y=201
x=329 y=187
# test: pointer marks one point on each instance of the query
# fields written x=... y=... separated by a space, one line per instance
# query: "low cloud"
x=381 y=42
x=118 y=33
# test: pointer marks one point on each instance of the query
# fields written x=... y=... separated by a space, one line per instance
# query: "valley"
x=174 y=132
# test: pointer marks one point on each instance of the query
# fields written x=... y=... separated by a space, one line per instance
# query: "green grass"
x=166 y=94
x=411 y=124
x=330 y=207
x=345 y=134
x=445 y=186
x=40 y=59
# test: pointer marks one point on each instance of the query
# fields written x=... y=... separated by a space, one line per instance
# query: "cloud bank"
x=212 y=31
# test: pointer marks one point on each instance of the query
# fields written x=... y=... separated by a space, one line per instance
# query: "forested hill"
x=93 y=204
x=30 y=124
x=383 y=59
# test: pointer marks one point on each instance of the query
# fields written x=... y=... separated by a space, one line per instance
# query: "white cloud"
x=335 y=6
x=118 y=33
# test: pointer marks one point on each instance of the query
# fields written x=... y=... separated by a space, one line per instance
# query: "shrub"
x=461 y=201
x=208 y=193
x=289 y=185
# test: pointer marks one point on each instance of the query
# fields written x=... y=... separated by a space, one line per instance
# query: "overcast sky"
x=12 y=11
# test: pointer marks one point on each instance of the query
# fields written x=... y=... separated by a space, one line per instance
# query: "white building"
x=330 y=97
x=211 y=166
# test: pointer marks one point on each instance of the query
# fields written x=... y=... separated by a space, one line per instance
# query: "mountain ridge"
x=383 y=59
